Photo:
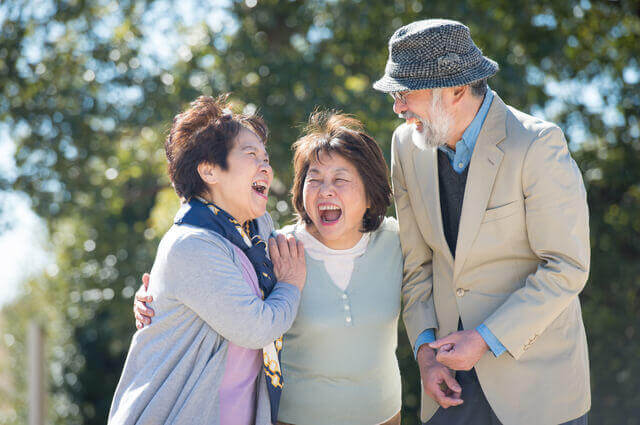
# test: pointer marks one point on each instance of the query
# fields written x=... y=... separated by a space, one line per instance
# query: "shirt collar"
x=470 y=135
x=461 y=157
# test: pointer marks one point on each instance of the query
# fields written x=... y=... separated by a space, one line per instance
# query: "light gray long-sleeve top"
x=174 y=367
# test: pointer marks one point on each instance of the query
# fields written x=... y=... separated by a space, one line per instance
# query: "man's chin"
x=422 y=137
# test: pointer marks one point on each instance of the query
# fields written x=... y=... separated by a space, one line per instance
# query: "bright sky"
x=22 y=248
x=22 y=252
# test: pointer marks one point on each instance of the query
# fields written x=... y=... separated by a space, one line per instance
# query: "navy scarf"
x=209 y=216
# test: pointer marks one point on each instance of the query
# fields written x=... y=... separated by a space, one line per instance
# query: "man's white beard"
x=435 y=132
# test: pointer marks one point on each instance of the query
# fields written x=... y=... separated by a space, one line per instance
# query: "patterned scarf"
x=200 y=213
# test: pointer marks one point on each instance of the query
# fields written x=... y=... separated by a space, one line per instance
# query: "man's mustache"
x=419 y=123
x=408 y=115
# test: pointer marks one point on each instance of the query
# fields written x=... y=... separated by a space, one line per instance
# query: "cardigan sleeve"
x=206 y=279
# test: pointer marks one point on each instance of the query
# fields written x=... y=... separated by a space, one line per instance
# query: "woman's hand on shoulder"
x=287 y=255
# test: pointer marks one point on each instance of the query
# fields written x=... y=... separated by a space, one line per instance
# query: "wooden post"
x=36 y=374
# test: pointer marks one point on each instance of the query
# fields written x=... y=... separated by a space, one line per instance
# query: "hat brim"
x=485 y=69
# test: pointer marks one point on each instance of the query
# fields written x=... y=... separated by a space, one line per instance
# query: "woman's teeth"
x=259 y=187
x=330 y=213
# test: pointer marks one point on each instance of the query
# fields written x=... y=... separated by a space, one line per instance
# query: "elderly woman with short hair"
x=221 y=304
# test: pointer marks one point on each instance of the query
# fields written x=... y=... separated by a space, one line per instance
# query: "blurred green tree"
x=88 y=105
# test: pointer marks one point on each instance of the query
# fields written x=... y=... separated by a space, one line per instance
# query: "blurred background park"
x=88 y=89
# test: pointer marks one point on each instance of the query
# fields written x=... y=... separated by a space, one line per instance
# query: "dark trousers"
x=475 y=410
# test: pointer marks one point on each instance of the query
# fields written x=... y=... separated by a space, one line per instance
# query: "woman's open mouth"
x=260 y=188
x=329 y=213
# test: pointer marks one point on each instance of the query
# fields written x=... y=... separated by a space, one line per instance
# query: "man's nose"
x=399 y=107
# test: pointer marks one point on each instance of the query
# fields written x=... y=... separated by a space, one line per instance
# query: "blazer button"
x=460 y=292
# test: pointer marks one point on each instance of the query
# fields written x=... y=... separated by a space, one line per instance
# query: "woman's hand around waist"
x=287 y=255
x=141 y=311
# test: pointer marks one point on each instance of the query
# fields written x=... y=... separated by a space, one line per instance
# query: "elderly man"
x=494 y=229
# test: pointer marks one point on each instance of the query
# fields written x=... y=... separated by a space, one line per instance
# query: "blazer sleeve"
x=207 y=280
x=417 y=284
x=557 y=221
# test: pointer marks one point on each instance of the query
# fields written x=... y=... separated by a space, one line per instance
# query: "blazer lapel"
x=483 y=168
x=425 y=164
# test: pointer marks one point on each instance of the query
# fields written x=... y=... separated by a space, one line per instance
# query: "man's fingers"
x=300 y=249
x=440 y=342
x=445 y=400
x=145 y=280
x=446 y=357
x=446 y=352
x=446 y=347
x=446 y=397
x=452 y=384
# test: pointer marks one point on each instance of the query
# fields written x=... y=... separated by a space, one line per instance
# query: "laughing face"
x=425 y=110
x=242 y=189
x=335 y=200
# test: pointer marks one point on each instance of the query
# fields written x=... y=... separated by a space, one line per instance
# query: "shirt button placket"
x=347 y=310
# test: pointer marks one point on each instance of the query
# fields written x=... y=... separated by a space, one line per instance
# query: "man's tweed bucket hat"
x=433 y=53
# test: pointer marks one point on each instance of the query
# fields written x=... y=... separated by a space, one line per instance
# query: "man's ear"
x=458 y=93
x=208 y=173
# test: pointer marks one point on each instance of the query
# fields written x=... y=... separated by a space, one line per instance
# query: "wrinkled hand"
x=461 y=350
x=142 y=313
x=289 y=263
x=437 y=380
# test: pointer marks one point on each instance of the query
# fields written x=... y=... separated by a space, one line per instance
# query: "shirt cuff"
x=494 y=344
x=427 y=336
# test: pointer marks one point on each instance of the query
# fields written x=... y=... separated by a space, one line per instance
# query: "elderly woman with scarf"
x=221 y=304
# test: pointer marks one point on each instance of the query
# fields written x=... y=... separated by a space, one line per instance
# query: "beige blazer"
x=522 y=259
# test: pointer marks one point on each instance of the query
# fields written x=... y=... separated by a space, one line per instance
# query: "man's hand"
x=461 y=350
x=437 y=380
x=142 y=313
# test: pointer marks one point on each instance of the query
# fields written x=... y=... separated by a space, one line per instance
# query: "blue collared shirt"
x=460 y=159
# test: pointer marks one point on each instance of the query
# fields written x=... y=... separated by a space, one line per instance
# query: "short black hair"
x=204 y=133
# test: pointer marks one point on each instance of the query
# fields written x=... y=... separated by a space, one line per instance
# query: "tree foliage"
x=88 y=105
